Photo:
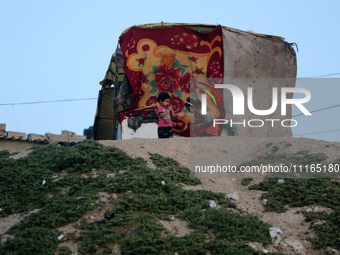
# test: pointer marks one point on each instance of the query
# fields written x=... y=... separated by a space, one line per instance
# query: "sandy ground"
x=233 y=150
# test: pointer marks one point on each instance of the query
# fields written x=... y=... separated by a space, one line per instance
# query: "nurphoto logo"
x=239 y=105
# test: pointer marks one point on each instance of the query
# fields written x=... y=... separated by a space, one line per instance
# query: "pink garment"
x=166 y=121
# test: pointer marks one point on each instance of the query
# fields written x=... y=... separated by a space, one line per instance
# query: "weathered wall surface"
x=18 y=141
x=262 y=63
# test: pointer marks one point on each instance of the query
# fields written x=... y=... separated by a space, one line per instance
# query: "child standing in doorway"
x=165 y=115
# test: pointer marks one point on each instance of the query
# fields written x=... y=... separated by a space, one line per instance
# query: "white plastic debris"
x=281 y=181
x=60 y=237
x=163 y=182
x=297 y=246
x=252 y=245
x=43 y=183
x=275 y=235
x=309 y=210
x=212 y=204
x=172 y=218
x=0 y=209
x=274 y=232
x=264 y=250
x=232 y=196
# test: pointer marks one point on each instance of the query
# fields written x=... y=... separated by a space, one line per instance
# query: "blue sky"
x=56 y=50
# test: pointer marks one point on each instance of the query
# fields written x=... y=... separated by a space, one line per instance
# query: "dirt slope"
x=236 y=150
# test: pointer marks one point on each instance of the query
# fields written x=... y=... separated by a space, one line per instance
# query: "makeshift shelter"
x=180 y=59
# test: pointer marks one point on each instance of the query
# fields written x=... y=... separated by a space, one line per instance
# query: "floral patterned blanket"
x=173 y=60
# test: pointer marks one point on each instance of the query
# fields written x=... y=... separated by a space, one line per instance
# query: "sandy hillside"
x=232 y=150
x=236 y=150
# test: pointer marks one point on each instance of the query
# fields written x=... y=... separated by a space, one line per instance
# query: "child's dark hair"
x=163 y=96
x=193 y=103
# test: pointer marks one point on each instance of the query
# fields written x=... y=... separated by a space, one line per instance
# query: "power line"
x=322 y=75
x=52 y=101
x=320 y=132
x=93 y=98
x=322 y=109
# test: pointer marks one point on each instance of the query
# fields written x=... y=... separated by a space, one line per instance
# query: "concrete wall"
x=146 y=130
x=17 y=146
x=18 y=141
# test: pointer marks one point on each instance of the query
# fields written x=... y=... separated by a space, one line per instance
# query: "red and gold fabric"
x=171 y=60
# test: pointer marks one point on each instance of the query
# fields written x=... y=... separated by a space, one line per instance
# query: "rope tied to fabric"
x=294 y=44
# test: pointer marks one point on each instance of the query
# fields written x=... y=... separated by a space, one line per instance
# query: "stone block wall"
x=65 y=136
x=2 y=129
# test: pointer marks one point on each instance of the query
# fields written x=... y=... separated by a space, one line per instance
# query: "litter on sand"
x=212 y=204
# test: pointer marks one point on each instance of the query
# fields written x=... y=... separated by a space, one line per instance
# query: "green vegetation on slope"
x=299 y=192
x=52 y=179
